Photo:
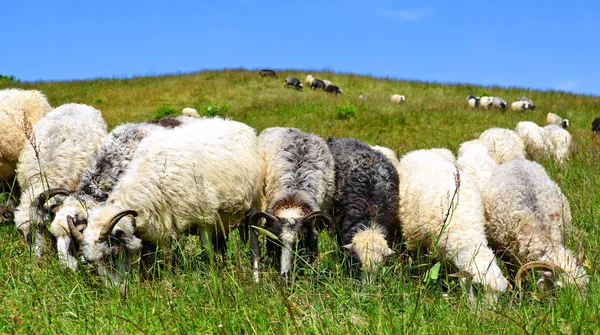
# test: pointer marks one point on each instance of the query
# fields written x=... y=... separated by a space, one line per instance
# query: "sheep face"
x=59 y=228
x=565 y=123
x=369 y=248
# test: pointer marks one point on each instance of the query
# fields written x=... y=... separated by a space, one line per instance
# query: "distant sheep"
x=327 y=82
x=552 y=118
x=363 y=97
x=431 y=215
x=499 y=103
x=267 y=73
x=473 y=101
x=333 y=89
x=397 y=98
x=530 y=104
x=188 y=111
x=549 y=141
x=317 y=84
x=19 y=111
x=522 y=104
x=309 y=79
x=504 y=144
x=292 y=81
x=486 y=102
x=365 y=203
x=596 y=125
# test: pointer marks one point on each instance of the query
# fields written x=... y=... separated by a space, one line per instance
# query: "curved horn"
x=113 y=222
x=318 y=215
x=77 y=235
x=534 y=266
x=258 y=215
x=47 y=195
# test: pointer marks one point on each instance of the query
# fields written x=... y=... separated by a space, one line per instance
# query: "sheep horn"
x=105 y=233
x=270 y=218
x=47 y=195
x=318 y=215
x=533 y=266
x=77 y=235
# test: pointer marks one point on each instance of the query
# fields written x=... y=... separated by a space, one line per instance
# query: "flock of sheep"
x=112 y=196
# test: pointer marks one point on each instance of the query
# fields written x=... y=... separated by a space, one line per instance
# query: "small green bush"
x=214 y=110
x=164 y=110
x=347 y=111
x=10 y=78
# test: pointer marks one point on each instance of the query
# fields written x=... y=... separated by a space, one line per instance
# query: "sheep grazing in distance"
x=61 y=146
x=552 y=118
x=20 y=110
x=317 y=84
x=365 y=203
x=309 y=79
x=299 y=186
x=474 y=158
x=188 y=111
x=430 y=182
x=549 y=141
x=522 y=104
x=559 y=143
x=486 y=102
x=503 y=144
x=327 y=82
x=528 y=101
x=596 y=125
x=499 y=103
x=333 y=89
x=292 y=81
x=387 y=152
x=473 y=101
x=527 y=216
x=363 y=97
x=267 y=73
x=211 y=167
x=397 y=98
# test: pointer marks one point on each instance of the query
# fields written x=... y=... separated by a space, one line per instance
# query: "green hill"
x=202 y=296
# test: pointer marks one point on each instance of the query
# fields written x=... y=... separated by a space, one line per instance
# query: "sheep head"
x=369 y=248
x=547 y=281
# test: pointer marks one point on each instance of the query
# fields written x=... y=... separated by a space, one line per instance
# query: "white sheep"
x=387 y=152
x=188 y=111
x=309 y=79
x=552 y=118
x=486 y=102
x=549 y=141
x=503 y=144
x=499 y=103
x=559 y=143
x=327 y=83
x=61 y=147
x=474 y=158
x=20 y=110
x=473 y=101
x=520 y=105
x=397 y=98
x=200 y=178
x=527 y=216
x=453 y=226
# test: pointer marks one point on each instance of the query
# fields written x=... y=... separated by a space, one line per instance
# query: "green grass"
x=200 y=296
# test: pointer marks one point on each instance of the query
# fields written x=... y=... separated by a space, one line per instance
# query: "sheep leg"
x=255 y=251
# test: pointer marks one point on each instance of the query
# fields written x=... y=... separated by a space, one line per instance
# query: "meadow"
x=203 y=294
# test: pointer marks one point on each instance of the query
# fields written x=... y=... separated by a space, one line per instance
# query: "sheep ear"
x=580 y=255
x=389 y=252
x=348 y=246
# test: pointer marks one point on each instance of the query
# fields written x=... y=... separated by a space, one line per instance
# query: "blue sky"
x=508 y=43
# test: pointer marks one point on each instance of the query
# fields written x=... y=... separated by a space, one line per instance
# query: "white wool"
x=504 y=144
x=486 y=102
x=534 y=138
x=397 y=98
x=188 y=111
x=474 y=158
x=309 y=79
x=559 y=143
x=388 y=153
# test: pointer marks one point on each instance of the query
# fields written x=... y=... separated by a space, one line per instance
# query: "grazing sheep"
x=387 y=152
x=486 y=102
x=552 y=118
x=474 y=158
x=267 y=73
x=292 y=81
x=299 y=186
x=527 y=216
x=365 y=203
x=188 y=111
x=61 y=147
x=212 y=168
x=327 y=82
x=333 y=89
x=19 y=111
x=536 y=144
x=363 y=97
x=473 y=101
x=521 y=105
x=317 y=84
x=396 y=98
x=503 y=144
x=559 y=143
x=309 y=79
x=528 y=101
x=499 y=103
x=452 y=226
x=596 y=125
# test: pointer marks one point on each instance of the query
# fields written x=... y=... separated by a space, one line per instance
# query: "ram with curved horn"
x=527 y=215
x=199 y=178
x=299 y=187
x=60 y=148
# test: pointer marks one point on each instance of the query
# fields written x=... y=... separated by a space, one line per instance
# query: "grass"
x=204 y=296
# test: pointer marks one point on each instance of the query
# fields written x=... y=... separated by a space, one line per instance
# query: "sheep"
x=503 y=144
x=474 y=158
x=19 y=111
x=365 y=203
x=317 y=83
x=200 y=178
x=473 y=101
x=528 y=101
x=188 y=111
x=299 y=188
x=552 y=118
x=61 y=146
x=333 y=89
x=428 y=181
x=596 y=125
x=527 y=216
x=267 y=73
x=292 y=81
x=536 y=143
x=396 y=98
x=309 y=80
x=363 y=97
x=521 y=105
x=327 y=82
x=388 y=153
x=499 y=103
x=559 y=143
x=486 y=102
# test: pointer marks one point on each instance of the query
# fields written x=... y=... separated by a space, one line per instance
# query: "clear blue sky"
x=542 y=44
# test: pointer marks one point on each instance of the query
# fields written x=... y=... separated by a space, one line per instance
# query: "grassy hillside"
x=202 y=296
